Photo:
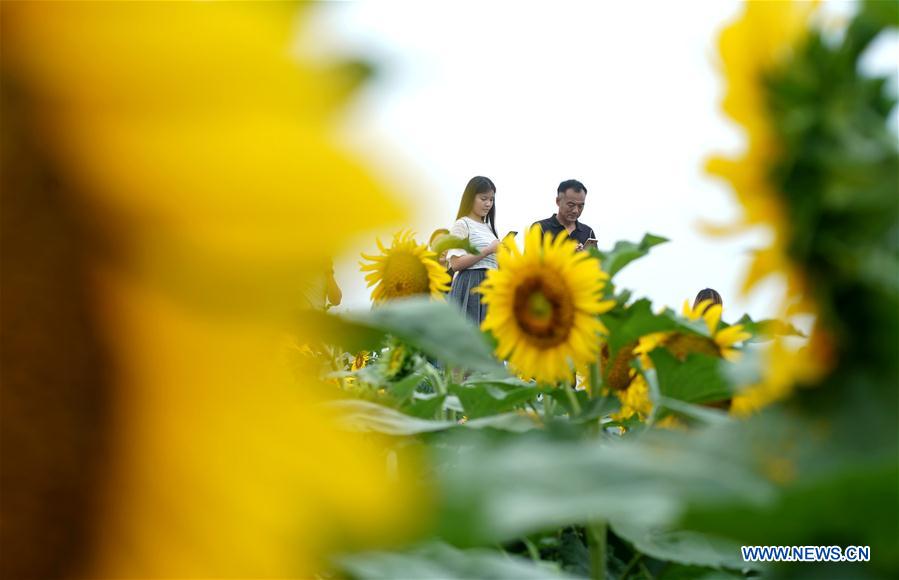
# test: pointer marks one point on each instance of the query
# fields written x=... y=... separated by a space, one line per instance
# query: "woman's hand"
x=491 y=249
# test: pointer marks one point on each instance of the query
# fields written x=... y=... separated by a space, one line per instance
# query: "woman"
x=475 y=221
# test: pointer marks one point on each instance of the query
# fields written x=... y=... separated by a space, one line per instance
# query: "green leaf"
x=626 y=252
x=437 y=328
x=364 y=416
x=686 y=547
x=698 y=379
x=497 y=490
x=880 y=13
x=598 y=407
x=438 y=561
x=448 y=242
x=404 y=388
x=704 y=415
x=629 y=324
x=424 y=405
x=837 y=486
x=513 y=422
x=573 y=553
x=482 y=399
x=681 y=572
x=316 y=326
x=767 y=329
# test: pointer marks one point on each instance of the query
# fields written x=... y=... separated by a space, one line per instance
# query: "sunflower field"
x=202 y=422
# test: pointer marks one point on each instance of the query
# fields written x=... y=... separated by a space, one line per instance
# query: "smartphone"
x=590 y=242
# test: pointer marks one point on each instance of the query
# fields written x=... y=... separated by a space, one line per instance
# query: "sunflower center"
x=544 y=310
x=405 y=275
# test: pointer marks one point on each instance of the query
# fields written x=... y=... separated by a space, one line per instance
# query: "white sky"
x=622 y=96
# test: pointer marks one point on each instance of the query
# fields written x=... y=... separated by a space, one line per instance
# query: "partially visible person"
x=571 y=197
x=476 y=221
x=321 y=292
x=332 y=290
x=708 y=294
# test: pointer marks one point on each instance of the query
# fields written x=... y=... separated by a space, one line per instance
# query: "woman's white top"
x=479 y=234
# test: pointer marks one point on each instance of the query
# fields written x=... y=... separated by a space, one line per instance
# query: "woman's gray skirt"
x=461 y=293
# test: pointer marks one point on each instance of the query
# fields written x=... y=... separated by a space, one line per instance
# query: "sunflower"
x=543 y=306
x=719 y=343
x=635 y=400
x=724 y=339
x=360 y=360
x=630 y=385
x=406 y=268
x=399 y=362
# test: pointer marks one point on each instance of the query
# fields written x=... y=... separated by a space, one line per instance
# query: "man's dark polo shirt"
x=581 y=232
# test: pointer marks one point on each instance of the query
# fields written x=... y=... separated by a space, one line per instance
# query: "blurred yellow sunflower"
x=406 y=268
x=762 y=39
x=188 y=142
x=543 y=306
x=784 y=368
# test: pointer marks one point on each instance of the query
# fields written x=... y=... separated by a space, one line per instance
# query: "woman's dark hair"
x=475 y=186
x=708 y=294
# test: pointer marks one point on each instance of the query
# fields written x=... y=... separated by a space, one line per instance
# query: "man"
x=570 y=198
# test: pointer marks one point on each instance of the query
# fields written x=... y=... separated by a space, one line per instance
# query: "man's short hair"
x=574 y=184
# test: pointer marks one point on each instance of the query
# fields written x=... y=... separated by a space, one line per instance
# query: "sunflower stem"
x=332 y=357
x=596 y=536
x=595 y=380
x=596 y=388
x=547 y=406
x=533 y=552
x=572 y=398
